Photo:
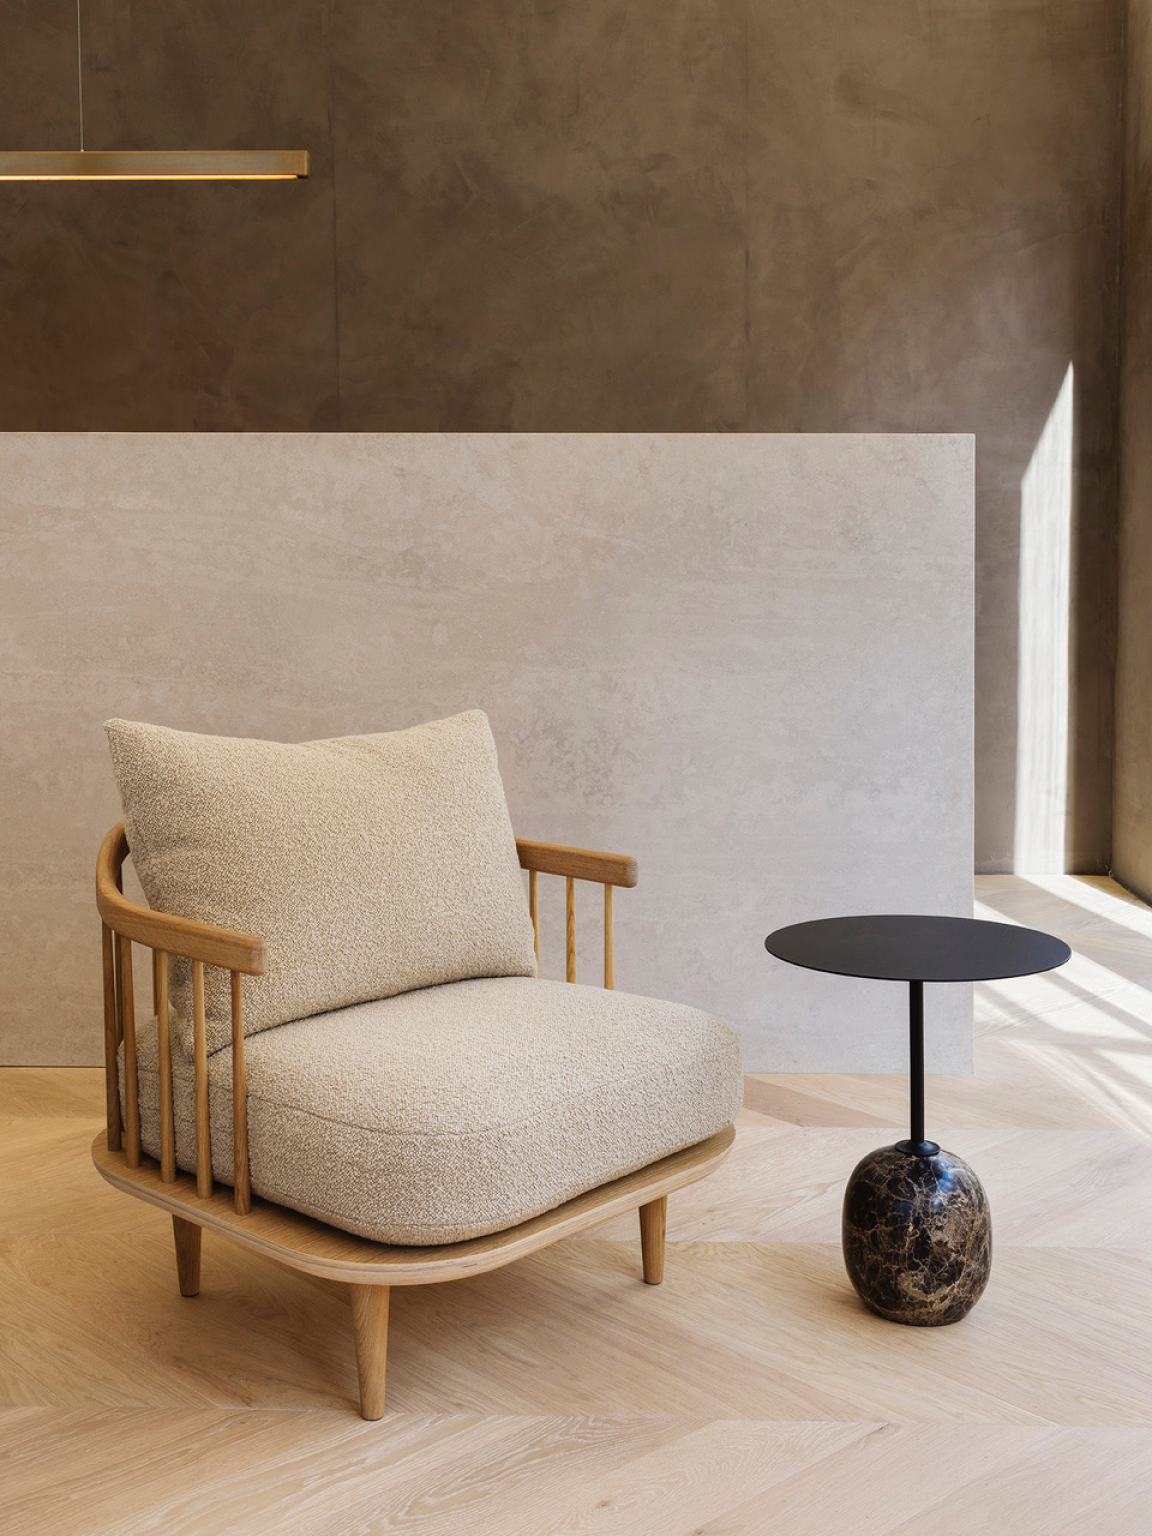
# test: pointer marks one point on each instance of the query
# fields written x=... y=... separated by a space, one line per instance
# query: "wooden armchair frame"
x=300 y=1242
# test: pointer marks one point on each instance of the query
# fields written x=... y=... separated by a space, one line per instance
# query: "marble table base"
x=917 y=1236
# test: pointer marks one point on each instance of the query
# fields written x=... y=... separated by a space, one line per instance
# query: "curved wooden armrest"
x=159 y=930
x=579 y=863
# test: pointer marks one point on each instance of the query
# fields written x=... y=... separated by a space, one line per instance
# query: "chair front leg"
x=188 y=1236
x=370 y=1320
x=653 y=1220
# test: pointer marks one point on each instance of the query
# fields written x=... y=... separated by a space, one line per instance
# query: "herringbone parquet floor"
x=749 y=1394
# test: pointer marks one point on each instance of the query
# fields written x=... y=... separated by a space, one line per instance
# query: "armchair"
x=411 y=1138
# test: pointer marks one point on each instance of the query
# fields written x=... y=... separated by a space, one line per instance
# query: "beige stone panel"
x=745 y=659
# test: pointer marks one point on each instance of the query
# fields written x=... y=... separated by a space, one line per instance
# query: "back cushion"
x=369 y=865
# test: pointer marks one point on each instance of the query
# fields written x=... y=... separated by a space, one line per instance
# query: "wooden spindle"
x=609 y=948
x=203 y=1120
x=534 y=913
x=116 y=957
x=119 y=997
x=164 y=1058
x=111 y=1040
x=131 y=1077
x=242 y=1189
x=570 y=930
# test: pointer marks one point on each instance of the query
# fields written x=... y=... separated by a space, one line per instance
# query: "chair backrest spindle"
x=131 y=1076
x=609 y=946
x=164 y=1066
x=241 y=1185
x=534 y=912
x=570 y=930
x=200 y=1051
x=111 y=1038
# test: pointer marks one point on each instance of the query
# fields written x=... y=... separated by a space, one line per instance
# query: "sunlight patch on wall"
x=1043 y=679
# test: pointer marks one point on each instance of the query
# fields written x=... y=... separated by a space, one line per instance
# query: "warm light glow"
x=154 y=165
x=151 y=176
x=1044 y=629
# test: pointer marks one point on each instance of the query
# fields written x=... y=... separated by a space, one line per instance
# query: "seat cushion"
x=369 y=865
x=462 y=1109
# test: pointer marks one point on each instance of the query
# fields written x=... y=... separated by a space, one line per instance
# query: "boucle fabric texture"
x=369 y=865
x=458 y=1110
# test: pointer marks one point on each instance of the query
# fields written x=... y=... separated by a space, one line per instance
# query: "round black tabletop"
x=895 y=947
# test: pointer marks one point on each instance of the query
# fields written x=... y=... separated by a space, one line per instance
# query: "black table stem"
x=916 y=1052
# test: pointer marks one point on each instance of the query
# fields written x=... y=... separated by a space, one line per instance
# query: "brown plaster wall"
x=1132 y=847
x=710 y=215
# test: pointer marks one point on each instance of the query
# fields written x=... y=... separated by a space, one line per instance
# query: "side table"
x=916 y=1231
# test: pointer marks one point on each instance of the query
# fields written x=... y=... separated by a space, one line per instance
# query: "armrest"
x=159 y=930
x=579 y=863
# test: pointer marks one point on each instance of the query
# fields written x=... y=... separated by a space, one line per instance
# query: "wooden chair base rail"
x=304 y=1244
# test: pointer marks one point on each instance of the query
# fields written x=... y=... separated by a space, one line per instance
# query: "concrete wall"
x=717 y=215
x=745 y=659
x=1132 y=843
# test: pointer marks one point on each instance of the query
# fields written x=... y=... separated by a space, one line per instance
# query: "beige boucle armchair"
x=393 y=1094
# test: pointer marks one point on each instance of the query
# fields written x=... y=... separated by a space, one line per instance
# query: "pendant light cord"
x=80 y=75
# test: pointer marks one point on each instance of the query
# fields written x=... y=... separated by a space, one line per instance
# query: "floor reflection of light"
x=1042 y=687
x=1100 y=895
x=1087 y=1027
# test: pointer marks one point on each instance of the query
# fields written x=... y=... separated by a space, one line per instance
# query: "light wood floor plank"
x=1076 y=1481
x=875 y=1484
x=961 y=1481
x=59 y=1092
x=677 y=1486
x=213 y=1471
x=524 y=1483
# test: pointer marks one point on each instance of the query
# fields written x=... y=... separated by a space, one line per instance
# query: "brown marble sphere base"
x=917 y=1236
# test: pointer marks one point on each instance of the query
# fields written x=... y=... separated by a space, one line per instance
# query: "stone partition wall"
x=745 y=659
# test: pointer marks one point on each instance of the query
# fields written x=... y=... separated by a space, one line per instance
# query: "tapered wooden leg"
x=187 y=1235
x=653 y=1218
x=370 y=1319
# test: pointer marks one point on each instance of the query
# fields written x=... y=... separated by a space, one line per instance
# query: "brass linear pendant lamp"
x=148 y=164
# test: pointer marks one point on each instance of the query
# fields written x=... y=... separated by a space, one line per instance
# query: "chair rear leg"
x=187 y=1235
x=653 y=1220
x=370 y=1320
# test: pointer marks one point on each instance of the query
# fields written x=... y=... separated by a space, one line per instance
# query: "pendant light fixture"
x=148 y=164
